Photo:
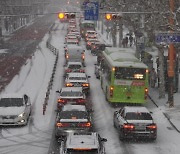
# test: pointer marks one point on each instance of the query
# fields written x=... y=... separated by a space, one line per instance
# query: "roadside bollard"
x=44 y=109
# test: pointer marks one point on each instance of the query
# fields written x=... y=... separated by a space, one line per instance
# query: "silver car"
x=15 y=109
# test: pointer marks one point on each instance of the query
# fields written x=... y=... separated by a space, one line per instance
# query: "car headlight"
x=21 y=115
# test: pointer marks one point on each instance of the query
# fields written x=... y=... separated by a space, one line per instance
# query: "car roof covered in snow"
x=70 y=107
x=80 y=141
x=140 y=109
x=71 y=89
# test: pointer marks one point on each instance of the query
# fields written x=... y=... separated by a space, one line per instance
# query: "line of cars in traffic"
x=74 y=123
x=130 y=121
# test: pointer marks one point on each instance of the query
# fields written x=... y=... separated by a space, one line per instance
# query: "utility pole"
x=171 y=54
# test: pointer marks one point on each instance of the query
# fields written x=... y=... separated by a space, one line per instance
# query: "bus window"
x=130 y=73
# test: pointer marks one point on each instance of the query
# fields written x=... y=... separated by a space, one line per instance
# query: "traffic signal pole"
x=171 y=54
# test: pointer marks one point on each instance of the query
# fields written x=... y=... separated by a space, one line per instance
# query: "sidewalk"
x=172 y=114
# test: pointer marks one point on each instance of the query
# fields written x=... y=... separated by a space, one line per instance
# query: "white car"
x=70 y=95
x=78 y=80
x=135 y=121
x=15 y=109
x=83 y=143
x=73 y=67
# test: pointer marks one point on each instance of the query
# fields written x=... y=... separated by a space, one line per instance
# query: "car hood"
x=140 y=121
x=11 y=110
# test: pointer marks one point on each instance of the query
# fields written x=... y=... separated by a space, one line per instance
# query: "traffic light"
x=65 y=15
x=108 y=16
x=70 y=15
x=113 y=16
x=61 y=15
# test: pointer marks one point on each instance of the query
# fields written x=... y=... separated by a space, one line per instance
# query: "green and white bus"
x=123 y=77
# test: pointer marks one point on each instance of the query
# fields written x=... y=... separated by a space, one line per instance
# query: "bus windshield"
x=130 y=73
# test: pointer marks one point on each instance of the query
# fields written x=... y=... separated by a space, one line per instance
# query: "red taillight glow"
x=82 y=71
x=111 y=91
x=61 y=101
x=153 y=126
x=87 y=124
x=128 y=126
x=68 y=70
x=59 y=124
x=69 y=84
x=81 y=101
x=85 y=84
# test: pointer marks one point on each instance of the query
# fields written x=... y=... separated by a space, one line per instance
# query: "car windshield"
x=73 y=114
x=138 y=116
x=11 y=102
x=71 y=93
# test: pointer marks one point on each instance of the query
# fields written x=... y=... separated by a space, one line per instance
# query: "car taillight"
x=67 y=56
x=152 y=126
x=69 y=85
x=68 y=70
x=111 y=91
x=83 y=56
x=61 y=100
x=146 y=92
x=87 y=124
x=82 y=71
x=128 y=126
x=81 y=100
x=85 y=84
x=59 y=124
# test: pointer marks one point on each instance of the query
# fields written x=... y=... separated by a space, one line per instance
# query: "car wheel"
x=114 y=124
x=121 y=135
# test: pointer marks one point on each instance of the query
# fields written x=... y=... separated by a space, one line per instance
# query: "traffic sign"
x=168 y=38
x=91 y=10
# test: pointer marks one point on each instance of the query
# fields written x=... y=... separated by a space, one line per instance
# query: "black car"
x=97 y=47
x=73 y=118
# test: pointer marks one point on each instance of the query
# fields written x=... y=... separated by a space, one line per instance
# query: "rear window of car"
x=71 y=93
x=89 y=151
x=74 y=66
x=77 y=78
x=138 y=116
x=73 y=114
x=10 y=102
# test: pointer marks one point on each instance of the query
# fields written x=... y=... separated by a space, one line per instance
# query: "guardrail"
x=50 y=84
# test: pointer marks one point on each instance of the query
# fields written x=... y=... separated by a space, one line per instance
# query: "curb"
x=165 y=114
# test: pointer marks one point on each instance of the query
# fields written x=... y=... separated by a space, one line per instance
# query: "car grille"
x=9 y=117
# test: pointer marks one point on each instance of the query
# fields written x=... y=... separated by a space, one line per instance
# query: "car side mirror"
x=58 y=91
